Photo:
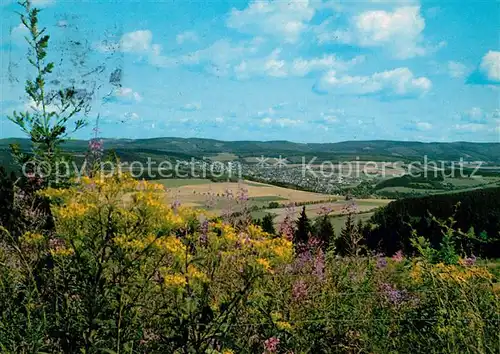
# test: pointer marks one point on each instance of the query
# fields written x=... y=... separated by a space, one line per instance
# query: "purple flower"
x=242 y=195
x=176 y=204
x=319 y=265
x=381 y=262
x=469 y=261
x=394 y=296
x=204 y=232
x=96 y=146
x=286 y=228
x=271 y=345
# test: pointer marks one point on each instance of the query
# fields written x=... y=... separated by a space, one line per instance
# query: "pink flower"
x=271 y=345
x=398 y=257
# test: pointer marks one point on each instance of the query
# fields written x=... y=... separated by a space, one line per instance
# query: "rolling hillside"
x=381 y=150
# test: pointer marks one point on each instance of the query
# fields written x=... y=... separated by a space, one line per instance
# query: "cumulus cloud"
x=488 y=72
x=280 y=19
x=457 y=70
x=275 y=66
x=399 y=82
x=399 y=31
x=187 y=36
x=136 y=42
x=490 y=66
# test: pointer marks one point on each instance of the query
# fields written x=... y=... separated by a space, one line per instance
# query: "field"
x=197 y=192
x=337 y=209
x=202 y=193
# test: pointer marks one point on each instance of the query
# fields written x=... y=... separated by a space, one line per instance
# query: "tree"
x=324 y=231
x=268 y=224
x=349 y=241
x=301 y=236
x=46 y=124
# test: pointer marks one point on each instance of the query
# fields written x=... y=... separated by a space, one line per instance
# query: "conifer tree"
x=268 y=225
x=303 y=230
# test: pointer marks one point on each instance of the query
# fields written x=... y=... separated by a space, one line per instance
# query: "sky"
x=298 y=70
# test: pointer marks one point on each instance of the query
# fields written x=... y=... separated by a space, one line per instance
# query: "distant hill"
x=378 y=150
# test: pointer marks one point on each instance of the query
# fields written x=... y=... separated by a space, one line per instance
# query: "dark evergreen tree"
x=324 y=232
x=350 y=239
x=267 y=224
x=301 y=236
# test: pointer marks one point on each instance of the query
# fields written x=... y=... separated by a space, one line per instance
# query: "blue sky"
x=306 y=71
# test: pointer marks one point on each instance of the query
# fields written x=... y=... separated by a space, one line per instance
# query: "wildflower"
x=174 y=280
x=96 y=146
x=264 y=263
x=271 y=345
x=242 y=195
x=319 y=265
x=284 y=326
x=32 y=238
x=57 y=247
x=469 y=261
x=398 y=256
x=204 y=232
x=299 y=290
x=394 y=296
x=381 y=262
x=176 y=204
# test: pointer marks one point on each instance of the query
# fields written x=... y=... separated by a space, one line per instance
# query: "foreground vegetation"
x=123 y=272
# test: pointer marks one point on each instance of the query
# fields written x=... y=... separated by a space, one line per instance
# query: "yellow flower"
x=264 y=263
x=61 y=252
x=195 y=274
x=284 y=326
x=175 y=280
x=32 y=238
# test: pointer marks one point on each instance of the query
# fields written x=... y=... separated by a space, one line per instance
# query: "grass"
x=271 y=198
x=339 y=221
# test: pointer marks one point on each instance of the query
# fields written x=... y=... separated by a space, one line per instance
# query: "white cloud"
x=398 y=82
x=281 y=19
x=282 y=122
x=399 y=31
x=19 y=33
x=187 y=36
x=490 y=66
x=457 y=70
x=219 y=120
x=423 y=126
x=478 y=115
x=136 y=42
x=273 y=65
x=469 y=127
